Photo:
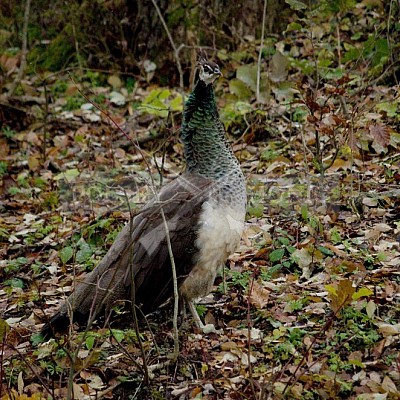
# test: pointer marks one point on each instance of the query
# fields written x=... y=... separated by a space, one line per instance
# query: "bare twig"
x=29 y=367
x=171 y=255
x=323 y=329
x=24 y=51
x=78 y=54
x=175 y=284
x=249 y=327
x=308 y=172
x=389 y=37
x=260 y=52
x=339 y=45
x=176 y=49
x=391 y=69
x=133 y=299
x=45 y=119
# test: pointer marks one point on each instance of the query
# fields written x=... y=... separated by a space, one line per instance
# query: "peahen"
x=204 y=209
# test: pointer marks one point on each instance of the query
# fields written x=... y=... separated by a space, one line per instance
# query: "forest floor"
x=309 y=305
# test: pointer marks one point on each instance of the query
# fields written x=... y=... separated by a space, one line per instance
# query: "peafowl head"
x=209 y=71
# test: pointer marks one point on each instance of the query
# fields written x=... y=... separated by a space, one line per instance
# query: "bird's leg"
x=196 y=317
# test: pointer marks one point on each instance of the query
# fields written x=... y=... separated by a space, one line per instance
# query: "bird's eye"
x=208 y=69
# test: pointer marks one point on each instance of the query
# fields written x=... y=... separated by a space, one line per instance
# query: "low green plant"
x=268 y=273
x=74 y=103
x=95 y=78
x=130 y=84
x=14 y=283
x=201 y=309
x=58 y=87
x=161 y=101
x=16 y=264
x=235 y=279
x=14 y=190
x=296 y=336
x=8 y=132
x=280 y=256
x=3 y=168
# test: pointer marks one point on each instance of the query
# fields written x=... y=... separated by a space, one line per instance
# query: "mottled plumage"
x=204 y=209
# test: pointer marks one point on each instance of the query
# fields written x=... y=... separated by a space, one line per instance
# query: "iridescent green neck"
x=207 y=151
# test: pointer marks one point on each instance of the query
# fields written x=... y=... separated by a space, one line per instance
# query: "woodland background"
x=91 y=96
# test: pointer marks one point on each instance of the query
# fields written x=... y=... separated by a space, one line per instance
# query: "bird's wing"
x=149 y=262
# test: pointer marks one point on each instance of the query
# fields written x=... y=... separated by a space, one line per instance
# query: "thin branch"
x=391 y=69
x=78 y=54
x=176 y=49
x=24 y=51
x=170 y=252
x=175 y=284
x=323 y=329
x=133 y=298
x=29 y=367
x=389 y=38
x=249 y=327
x=260 y=52
x=339 y=46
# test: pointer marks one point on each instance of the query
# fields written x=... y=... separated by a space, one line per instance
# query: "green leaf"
x=296 y=5
x=301 y=257
x=335 y=235
x=256 y=210
x=351 y=55
x=118 y=335
x=243 y=107
x=357 y=363
x=293 y=26
x=156 y=94
x=291 y=249
x=331 y=289
x=248 y=75
x=66 y=254
x=90 y=342
x=276 y=255
x=284 y=240
x=278 y=67
x=389 y=108
x=363 y=292
x=382 y=52
x=164 y=94
x=15 y=283
x=156 y=107
x=325 y=251
x=283 y=90
x=4 y=329
x=160 y=101
x=176 y=104
x=83 y=253
x=240 y=89
x=36 y=339
x=14 y=265
x=370 y=308
x=69 y=175
x=304 y=212
x=201 y=310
